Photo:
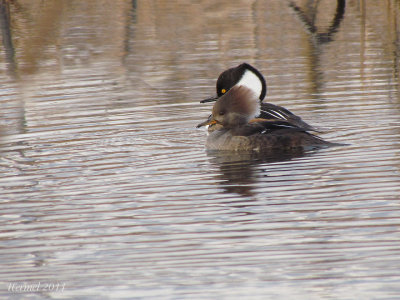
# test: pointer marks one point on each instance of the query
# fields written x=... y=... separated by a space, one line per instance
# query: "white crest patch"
x=251 y=81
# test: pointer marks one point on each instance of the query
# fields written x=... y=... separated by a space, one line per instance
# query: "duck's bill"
x=211 y=99
x=209 y=122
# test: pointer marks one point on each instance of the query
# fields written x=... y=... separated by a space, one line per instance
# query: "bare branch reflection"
x=309 y=17
x=5 y=26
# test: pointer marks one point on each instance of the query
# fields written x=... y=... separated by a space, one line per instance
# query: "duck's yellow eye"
x=223 y=91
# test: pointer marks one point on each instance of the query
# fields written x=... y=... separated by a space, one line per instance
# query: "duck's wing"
x=265 y=126
x=272 y=111
x=278 y=134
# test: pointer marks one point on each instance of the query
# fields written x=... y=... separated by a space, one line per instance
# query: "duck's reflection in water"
x=239 y=171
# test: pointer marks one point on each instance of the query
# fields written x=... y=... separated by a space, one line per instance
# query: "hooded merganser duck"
x=248 y=76
x=239 y=128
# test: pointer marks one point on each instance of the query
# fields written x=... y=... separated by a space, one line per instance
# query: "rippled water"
x=107 y=190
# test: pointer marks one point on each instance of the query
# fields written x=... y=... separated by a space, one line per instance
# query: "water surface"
x=106 y=188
